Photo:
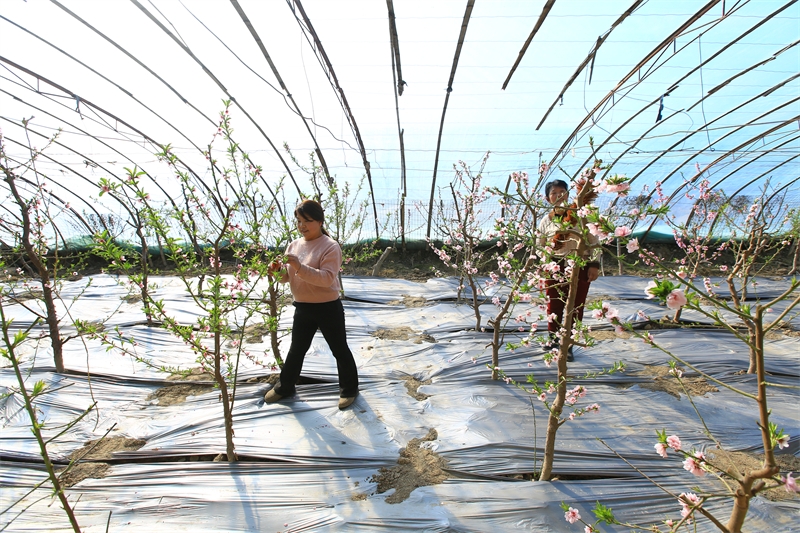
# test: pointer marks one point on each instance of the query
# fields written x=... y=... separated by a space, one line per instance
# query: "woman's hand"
x=293 y=260
x=592 y=273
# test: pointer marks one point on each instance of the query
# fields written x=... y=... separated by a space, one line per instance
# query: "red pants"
x=557 y=293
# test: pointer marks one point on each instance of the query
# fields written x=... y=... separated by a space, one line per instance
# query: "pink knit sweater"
x=317 y=280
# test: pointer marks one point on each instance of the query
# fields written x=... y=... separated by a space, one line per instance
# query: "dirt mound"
x=743 y=462
x=403 y=333
x=665 y=382
x=412 y=384
x=94 y=452
x=410 y=301
x=175 y=394
x=418 y=466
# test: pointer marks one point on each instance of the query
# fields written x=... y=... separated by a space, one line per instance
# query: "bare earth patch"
x=410 y=301
x=665 y=382
x=175 y=394
x=196 y=374
x=412 y=384
x=254 y=334
x=100 y=450
x=743 y=462
x=27 y=294
x=403 y=333
x=605 y=335
x=269 y=378
x=417 y=467
x=132 y=298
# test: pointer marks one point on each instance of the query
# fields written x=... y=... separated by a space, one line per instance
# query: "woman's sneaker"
x=344 y=403
x=271 y=396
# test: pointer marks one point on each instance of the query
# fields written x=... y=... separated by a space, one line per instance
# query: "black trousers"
x=327 y=317
x=557 y=293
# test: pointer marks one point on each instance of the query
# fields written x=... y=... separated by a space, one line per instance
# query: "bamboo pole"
x=464 y=24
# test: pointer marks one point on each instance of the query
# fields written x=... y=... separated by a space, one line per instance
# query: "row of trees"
x=229 y=231
x=712 y=276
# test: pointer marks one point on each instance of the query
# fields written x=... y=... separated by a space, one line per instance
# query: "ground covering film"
x=306 y=466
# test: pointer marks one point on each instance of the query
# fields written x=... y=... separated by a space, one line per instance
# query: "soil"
x=412 y=384
x=196 y=374
x=418 y=466
x=743 y=462
x=665 y=382
x=403 y=333
x=176 y=394
x=410 y=301
x=92 y=465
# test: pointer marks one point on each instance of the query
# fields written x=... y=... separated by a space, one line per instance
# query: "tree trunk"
x=753 y=481
x=274 y=315
x=226 y=403
x=52 y=319
x=36 y=427
x=554 y=420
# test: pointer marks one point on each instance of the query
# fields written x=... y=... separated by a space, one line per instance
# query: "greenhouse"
x=564 y=237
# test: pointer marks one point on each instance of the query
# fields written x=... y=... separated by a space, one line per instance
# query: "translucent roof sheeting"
x=663 y=91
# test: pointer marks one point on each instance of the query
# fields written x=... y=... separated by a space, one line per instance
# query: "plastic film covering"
x=306 y=466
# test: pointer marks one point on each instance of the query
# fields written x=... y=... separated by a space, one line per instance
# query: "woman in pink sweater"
x=312 y=271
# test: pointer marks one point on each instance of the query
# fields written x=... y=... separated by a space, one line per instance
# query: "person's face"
x=558 y=196
x=310 y=229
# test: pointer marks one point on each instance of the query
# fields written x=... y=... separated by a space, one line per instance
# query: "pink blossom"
x=647 y=290
x=595 y=230
x=632 y=245
x=622 y=231
x=676 y=299
x=542 y=397
x=617 y=187
x=686 y=508
x=691 y=464
x=674 y=442
x=723 y=268
x=572 y=515
x=790 y=483
x=661 y=449
x=783 y=442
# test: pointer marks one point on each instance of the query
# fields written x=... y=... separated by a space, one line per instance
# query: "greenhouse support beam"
x=277 y=75
x=590 y=57
x=679 y=81
x=345 y=106
x=655 y=51
x=219 y=84
x=749 y=69
x=105 y=78
x=464 y=24
x=545 y=11
x=395 y=53
x=102 y=111
x=703 y=127
x=399 y=83
x=720 y=158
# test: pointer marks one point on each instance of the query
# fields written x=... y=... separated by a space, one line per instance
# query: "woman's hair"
x=311 y=210
x=555 y=183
